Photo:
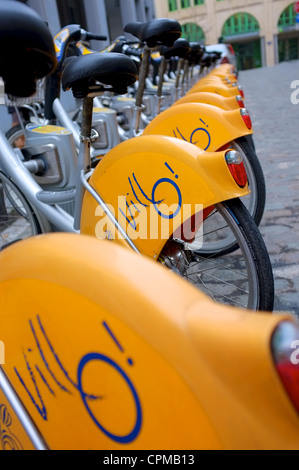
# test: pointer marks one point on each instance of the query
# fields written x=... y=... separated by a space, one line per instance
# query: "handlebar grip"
x=131 y=51
x=96 y=36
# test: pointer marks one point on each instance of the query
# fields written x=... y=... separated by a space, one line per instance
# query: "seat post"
x=178 y=78
x=84 y=158
x=143 y=73
x=86 y=117
x=162 y=70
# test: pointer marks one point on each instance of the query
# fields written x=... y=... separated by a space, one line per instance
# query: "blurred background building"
x=262 y=33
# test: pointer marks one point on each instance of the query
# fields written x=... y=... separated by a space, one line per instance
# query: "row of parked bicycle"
x=94 y=334
x=136 y=151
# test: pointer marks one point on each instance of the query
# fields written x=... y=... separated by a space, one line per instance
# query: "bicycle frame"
x=11 y=164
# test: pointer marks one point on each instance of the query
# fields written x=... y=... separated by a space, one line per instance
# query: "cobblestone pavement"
x=276 y=134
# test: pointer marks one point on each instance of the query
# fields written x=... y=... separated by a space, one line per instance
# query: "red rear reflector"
x=241 y=91
x=236 y=167
x=246 y=118
x=231 y=49
x=289 y=374
x=240 y=101
x=224 y=60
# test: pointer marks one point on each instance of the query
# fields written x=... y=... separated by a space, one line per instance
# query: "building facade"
x=263 y=33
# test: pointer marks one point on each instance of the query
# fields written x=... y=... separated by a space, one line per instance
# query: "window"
x=192 y=32
x=241 y=23
x=172 y=5
x=288 y=18
x=199 y=2
x=185 y=3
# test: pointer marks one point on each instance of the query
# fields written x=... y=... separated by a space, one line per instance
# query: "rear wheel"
x=256 y=200
x=17 y=218
x=242 y=278
x=225 y=240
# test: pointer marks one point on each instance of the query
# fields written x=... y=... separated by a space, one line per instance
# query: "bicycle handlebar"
x=76 y=33
x=131 y=51
x=95 y=36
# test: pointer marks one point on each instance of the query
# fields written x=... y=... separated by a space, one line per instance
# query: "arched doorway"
x=288 y=37
x=193 y=33
x=242 y=30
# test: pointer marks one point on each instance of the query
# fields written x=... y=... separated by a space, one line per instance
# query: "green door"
x=288 y=49
x=248 y=54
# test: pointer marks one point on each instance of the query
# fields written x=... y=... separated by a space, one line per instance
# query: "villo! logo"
x=2 y=353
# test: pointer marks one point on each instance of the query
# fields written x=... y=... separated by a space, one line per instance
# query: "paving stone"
x=276 y=128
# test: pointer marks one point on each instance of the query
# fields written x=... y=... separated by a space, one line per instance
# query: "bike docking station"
x=110 y=346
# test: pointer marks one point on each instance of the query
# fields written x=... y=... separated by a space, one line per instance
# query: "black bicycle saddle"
x=26 y=48
x=94 y=73
x=206 y=60
x=162 y=31
x=181 y=48
x=196 y=53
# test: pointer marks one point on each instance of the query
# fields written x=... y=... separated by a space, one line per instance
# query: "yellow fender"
x=141 y=176
x=224 y=69
x=215 y=87
x=106 y=350
x=224 y=102
x=217 y=78
x=222 y=74
x=203 y=125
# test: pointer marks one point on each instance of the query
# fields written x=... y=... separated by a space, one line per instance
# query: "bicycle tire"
x=256 y=201
x=17 y=217
x=242 y=278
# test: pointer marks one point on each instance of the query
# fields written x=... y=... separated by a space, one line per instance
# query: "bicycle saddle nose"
x=162 y=31
x=196 y=53
x=26 y=48
x=206 y=59
x=94 y=73
x=181 y=48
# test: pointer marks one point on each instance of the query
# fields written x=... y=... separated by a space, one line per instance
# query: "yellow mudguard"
x=106 y=350
x=143 y=177
x=221 y=75
x=224 y=69
x=224 y=102
x=204 y=125
x=215 y=87
x=221 y=79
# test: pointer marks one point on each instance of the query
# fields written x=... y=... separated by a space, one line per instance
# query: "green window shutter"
x=240 y=23
x=192 y=32
x=185 y=3
x=287 y=18
x=172 y=5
